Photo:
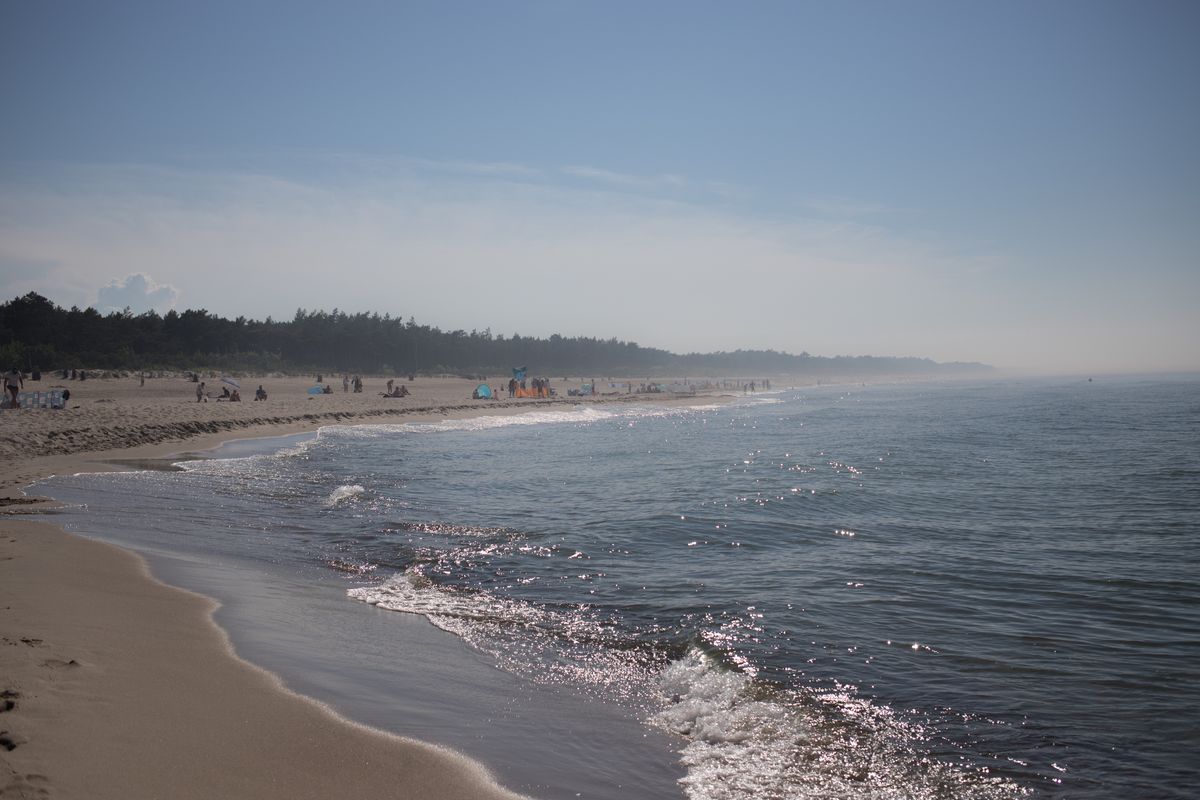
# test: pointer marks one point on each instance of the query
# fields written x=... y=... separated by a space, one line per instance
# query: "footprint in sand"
x=31 y=785
x=54 y=663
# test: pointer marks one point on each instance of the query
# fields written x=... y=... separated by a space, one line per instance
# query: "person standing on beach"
x=13 y=383
x=200 y=393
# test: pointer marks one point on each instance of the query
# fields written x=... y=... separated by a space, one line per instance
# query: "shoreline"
x=104 y=662
x=124 y=687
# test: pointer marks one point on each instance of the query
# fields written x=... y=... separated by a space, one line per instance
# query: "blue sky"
x=1016 y=183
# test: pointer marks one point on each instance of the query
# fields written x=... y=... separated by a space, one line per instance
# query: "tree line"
x=35 y=333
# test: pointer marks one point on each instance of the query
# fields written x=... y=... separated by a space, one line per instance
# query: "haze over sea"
x=976 y=589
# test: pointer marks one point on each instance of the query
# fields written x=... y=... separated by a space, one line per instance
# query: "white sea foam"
x=738 y=746
x=413 y=592
x=294 y=450
x=745 y=739
x=569 y=647
x=298 y=449
x=582 y=414
x=343 y=494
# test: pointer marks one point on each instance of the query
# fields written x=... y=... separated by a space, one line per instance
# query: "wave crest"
x=343 y=494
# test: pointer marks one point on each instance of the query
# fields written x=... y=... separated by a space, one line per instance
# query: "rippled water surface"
x=932 y=591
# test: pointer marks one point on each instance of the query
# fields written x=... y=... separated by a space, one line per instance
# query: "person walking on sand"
x=200 y=392
x=13 y=383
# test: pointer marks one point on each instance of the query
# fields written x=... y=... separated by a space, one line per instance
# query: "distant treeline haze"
x=36 y=333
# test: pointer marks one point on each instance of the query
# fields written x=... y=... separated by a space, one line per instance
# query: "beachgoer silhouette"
x=13 y=383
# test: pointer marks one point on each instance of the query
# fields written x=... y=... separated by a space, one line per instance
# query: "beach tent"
x=483 y=392
x=317 y=390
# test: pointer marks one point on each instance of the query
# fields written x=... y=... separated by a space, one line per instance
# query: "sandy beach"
x=115 y=685
x=122 y=420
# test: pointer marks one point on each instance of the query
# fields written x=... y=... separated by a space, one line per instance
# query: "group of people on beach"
x=230 y=396
x=394 y=391
x=234 y=395
x=538 y=387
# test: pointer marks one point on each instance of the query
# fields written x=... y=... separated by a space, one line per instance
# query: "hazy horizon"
x=1015 y=185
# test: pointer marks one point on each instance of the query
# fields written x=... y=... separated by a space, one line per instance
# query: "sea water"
x=962 y=590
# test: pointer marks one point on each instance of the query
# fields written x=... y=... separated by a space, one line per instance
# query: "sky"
x=1016 y=183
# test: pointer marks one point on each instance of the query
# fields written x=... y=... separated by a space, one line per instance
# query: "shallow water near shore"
x=931 y=591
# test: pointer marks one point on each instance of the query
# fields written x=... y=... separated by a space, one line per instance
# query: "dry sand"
x=114 y=685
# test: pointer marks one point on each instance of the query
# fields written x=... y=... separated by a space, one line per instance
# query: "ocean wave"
x=583 y=414
x=743 y=737
x=571 y=646
x=343 y=494
x=748 y=739
x=414 y=592
x=220 y=463
x=450 y=529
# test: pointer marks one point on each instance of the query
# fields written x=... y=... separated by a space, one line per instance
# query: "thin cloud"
x=623 y=179
x=846 y=207
x=498 y=169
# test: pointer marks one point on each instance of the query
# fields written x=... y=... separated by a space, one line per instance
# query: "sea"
x=970 y=589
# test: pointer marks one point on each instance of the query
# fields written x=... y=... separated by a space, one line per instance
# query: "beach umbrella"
x=232 y=383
